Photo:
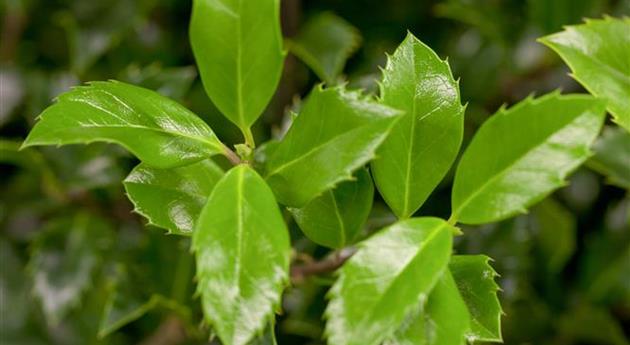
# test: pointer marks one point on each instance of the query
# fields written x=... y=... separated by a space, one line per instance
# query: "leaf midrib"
x=239 y=237
x=141 y=127
x=239 y=67
x=342 y=227
x=434 y=232
x=322 y=146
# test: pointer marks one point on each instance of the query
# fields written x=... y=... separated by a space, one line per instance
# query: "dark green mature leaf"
x=555 y=230
x=475 y=279
x=444 y=321
x=242 y=249
x=587 y=324
x=325 y=43
x=161 y=132
x=336 y=132
x=390 y=275
x=238 y=48
x=172 y=198
x=598 y=53
x=172 y=82
x=523 y=153
x=612 y=156
x=335 y=218
x=14 y=292
x=424 y=142
x=64 y=258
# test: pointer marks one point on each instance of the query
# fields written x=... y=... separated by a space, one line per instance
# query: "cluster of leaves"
x=400 y=285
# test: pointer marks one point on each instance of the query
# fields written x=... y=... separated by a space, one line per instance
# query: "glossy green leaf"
x=241 y=245
x=238 y=48
x=64 y=259
x=325 y=43
x=336 y=132
x=475 y=280
x=522 y=154
x=335 y=218
x=389 y=276
x=424 y=143
x=555 y=231
x=444 y=320
x=612 y=156
x=161 y=132
x=172 y=198
x=598 y=53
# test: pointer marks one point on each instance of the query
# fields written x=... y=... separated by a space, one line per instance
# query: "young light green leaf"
x=238 y=48
x=390 y=275
x=598 y=53
x=241 y=245
x=445 y=319
x=555 y=231
x=475 y=279
x=521 y=154
x=161 y=132
x=336 y=132
x=325 y=43
x=612 y=156
x=335 y=218
x=172 y=198
x=64 y=258
x=424 y=142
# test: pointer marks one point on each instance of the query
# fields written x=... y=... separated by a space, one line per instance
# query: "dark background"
x=65 y=220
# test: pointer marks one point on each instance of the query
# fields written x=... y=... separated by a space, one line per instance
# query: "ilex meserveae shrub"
x=400 y=285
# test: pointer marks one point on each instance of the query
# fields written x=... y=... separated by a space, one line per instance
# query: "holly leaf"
x=161 y=132
x=241 y=246
x=555 y=232
x=389 y=276
x=444 y=320
x=63 y=261
x=598 y=53
x=336 y=132
x=612 y=156
x=522 y=154
x=335 y=218
x=172 y=198
x=424 y=142
x=238 y=49
x=475 y=280
x=324 y=44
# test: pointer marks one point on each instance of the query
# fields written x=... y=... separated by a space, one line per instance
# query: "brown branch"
x=300 y=272
x=170 y=332
x=232 y=156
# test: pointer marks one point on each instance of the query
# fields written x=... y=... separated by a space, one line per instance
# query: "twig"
x=231 y=156
x=170 y=332
x=327 y=265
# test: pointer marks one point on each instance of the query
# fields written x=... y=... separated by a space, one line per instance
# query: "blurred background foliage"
x=78 y=267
